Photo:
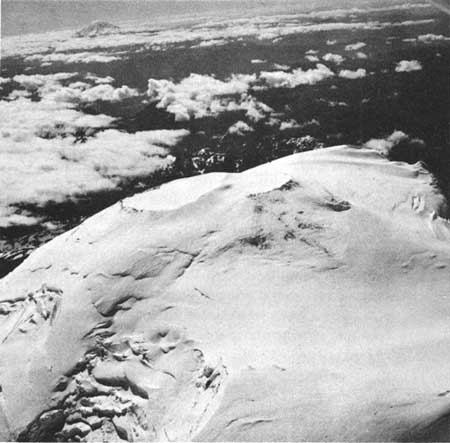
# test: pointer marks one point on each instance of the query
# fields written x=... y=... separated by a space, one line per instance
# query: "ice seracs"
x=303 y=300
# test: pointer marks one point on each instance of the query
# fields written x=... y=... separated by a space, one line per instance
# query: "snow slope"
x=306 y=299
x=97 y=28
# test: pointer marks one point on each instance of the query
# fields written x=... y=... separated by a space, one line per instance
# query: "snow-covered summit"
x=97 y=28
x=303 y=300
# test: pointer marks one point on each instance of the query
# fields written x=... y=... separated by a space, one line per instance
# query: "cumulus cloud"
x=50 y=150
x=257 y=61
x=198 y=86
x=352 y=75
x=54 y=87
x=37 y=170
x=384 y=145
x=281 y=67
x=361 y=55
x=23 y=118
x=333 y=103
x=331 y=42
x=312 y=58
x=281 y=79
x=98 y=80
x=431 y=38
x=13 y=95
x=240 y=128
x=334 y=58
x=105 y=92
x=408 y=66
x=43 y=82
x=290 y=124
x=78 y=57
x=199 y=96
x=209 y=43
x=355 y=46
x=399 y=146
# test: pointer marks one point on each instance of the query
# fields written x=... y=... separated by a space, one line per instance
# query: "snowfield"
x=304 y=300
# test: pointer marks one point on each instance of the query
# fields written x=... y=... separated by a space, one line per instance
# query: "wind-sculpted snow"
x=303 y=300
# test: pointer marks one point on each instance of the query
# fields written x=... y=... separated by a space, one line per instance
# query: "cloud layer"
x=51 y=151
x=37 y=170
x=62 y=47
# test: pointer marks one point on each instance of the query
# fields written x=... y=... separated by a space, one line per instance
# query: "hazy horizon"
x=35 y=16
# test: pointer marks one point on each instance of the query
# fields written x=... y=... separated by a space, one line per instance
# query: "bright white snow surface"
x=306 y=299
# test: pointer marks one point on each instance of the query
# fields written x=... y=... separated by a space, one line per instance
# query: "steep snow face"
x=306 y=299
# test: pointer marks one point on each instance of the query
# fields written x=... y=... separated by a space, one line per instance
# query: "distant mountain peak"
x=96 y=28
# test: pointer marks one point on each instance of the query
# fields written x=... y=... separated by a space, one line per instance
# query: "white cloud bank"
x=35 y=170
x=408 y=66
x=42 y=158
